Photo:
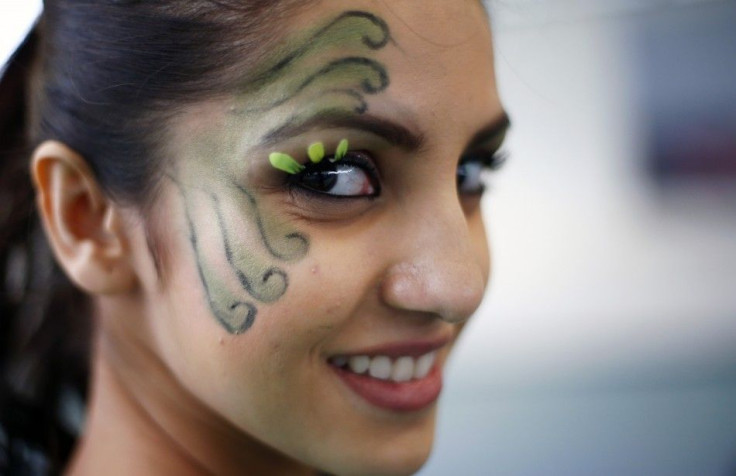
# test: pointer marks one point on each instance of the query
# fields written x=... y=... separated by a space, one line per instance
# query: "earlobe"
x=84 y=227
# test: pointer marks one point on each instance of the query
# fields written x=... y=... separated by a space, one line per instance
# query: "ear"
x=83 y=226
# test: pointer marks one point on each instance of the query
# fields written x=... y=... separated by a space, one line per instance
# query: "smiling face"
x=309 y=303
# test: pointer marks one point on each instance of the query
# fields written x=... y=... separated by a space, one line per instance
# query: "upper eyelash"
x=365 y=163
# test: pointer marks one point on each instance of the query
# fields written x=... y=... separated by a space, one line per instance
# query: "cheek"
x=274 y=364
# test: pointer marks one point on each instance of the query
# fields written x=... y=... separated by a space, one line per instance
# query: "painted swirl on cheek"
x=233 y=313
x=286 y=246
x=235 y=307
x=264 y=283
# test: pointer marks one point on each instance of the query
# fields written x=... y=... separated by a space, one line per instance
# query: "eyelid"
x=357 y=158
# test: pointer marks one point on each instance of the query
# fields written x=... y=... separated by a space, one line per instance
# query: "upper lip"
x=411 y=348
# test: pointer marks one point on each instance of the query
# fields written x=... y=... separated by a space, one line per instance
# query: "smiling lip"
x=408 y=396
x=416 y=390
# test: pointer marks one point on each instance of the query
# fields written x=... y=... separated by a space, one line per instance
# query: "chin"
x=396 y=455
x=402 y=463
x=397 y=465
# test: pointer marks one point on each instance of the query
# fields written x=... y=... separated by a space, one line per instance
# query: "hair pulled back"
x=104 y=77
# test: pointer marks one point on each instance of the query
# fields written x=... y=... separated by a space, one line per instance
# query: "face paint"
x=305 y=85
x=293 y=70
x=322 y=70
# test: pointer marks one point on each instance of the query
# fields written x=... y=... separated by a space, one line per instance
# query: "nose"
x=439 y=267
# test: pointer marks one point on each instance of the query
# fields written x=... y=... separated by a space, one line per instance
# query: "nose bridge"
x=443 y=228
x=437 y=270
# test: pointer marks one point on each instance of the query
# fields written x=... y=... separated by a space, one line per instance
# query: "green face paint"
x=241 y=252
x=322 y=70
x=292 y=68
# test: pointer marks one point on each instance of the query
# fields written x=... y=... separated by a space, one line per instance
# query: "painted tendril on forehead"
x=324 y=71
x=331 y=71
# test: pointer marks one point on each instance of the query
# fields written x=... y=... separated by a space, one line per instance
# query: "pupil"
x=322 y=179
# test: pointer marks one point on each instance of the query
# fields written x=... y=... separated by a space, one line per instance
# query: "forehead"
x=424 y=64
x=439 y=60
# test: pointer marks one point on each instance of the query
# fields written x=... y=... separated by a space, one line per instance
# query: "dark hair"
x=104 y=77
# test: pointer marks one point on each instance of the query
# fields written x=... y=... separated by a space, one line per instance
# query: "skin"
x=216 y=360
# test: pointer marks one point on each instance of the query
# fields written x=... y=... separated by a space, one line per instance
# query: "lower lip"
x=410 y=396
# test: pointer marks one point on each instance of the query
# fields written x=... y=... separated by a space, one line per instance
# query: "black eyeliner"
x=357 y=159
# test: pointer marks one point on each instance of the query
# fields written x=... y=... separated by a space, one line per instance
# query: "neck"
x=142 y=421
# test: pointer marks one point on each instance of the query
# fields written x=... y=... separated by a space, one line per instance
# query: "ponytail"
x=44 y=330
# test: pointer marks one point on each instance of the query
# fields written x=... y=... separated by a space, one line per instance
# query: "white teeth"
x=402 y=369
x=380 y=367
x=424 y=365
x=359 y=363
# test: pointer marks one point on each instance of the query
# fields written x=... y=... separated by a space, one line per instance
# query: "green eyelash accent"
x=316 y=152
x=285 y=162
x=342 y=149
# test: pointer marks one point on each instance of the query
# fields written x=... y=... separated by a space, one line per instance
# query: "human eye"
x=353 y=176
x=472 y=170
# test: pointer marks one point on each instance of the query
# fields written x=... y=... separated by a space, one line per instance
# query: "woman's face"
x=276 y=289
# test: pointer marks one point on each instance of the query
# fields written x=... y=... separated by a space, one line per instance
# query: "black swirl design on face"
x=325 y=70
x=264 y=285
x=234 y=314
x=339 y=85
x=258 y=281
x=349 y=29
x=287 y=247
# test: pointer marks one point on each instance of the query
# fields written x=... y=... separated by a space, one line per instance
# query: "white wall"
x=607 y=343
x=594 y=271
x=16 y=17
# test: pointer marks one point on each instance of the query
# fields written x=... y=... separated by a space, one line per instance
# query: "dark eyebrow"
x=391 y=132
x=492 y=132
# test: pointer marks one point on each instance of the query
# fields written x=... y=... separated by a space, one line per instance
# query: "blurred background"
x=607 y=342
